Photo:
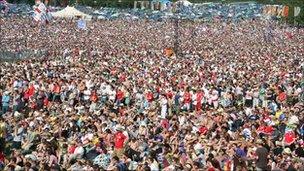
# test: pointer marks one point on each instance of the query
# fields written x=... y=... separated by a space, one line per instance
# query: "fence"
x=25 y=54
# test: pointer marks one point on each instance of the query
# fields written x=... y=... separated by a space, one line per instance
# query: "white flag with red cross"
x=41 y=13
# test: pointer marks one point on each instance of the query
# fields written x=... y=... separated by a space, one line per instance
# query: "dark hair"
x=116 y=158
x=14 y=159
x=108 y=131
x=210 y=156
x=28 y=164
x=147 y=168
x=12 y=167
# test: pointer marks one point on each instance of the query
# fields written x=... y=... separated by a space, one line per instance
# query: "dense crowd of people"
x=110 y=98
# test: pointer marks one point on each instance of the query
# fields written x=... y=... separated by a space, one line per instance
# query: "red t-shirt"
x=165 y=124
x=289 y=137
x=119 y=140
x=169 y=95
x=187 y=97
x=31 y=90
x=203 y=130
x=211 y=169
x=57 y=89
x=268 y=130
x=149 y=96
x=45 y=101
x=94 y=97
x=26 y=94
x=119 y=95
x=282 y=96
x=2 y=157
x=71 y=149
x=199 y=96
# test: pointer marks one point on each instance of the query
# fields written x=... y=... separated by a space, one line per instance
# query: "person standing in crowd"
x=5 y=102
x=262 y=154
x=119 y=141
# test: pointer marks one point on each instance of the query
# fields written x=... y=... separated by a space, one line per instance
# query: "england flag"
x=41 y=13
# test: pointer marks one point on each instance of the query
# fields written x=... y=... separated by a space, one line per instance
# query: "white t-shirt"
x=112 y=95
x=164 y=102
x=154 y=166
x=79 y=151
x=18 y=137
x=87 y=94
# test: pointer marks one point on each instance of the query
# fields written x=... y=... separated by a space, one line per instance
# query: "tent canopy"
x=70 y=12
x=184 y=2
x=162 y=1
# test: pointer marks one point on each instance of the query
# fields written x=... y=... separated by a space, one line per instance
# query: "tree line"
x=129 y=4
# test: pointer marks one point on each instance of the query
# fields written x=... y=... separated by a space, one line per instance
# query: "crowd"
x=110 y=98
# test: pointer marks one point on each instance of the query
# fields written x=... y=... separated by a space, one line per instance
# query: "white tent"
x=184 y=3
x=70 y=12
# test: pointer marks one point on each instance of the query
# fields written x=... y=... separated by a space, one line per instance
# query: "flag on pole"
x=285 y=11
x=297 y=11
x=41 y=13
x=81 y=24
x=4 y=6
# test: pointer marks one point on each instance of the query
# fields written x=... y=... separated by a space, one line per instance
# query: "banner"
x=276 y=10
x=280 y=10
x=273 y=10
x=266 y=9
x=297 y=11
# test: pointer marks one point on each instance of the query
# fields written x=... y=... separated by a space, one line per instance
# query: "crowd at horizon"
x=110 y=98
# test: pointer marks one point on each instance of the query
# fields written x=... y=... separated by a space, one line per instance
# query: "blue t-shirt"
x=121 y=166
x=5 y=100
x=240 y=152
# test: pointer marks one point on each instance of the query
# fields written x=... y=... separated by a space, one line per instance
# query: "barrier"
x=11 y=56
